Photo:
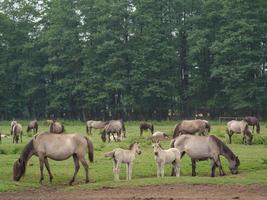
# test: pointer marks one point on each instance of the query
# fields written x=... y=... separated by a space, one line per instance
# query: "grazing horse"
x=124 y=156
x=94 y=124
x=56 y=147
x=203 y=148
x=33 y=125
x=145 y=126
x=240 y=127
x=55 y=127
x=16 y=131
x=162 y=157
x=159 y=136
x=253 y=121
x=114 y=126
x=191 y=127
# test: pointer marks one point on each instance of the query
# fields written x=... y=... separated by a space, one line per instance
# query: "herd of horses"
x=190 y=137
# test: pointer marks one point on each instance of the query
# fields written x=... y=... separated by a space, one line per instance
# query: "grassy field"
x=253 y=168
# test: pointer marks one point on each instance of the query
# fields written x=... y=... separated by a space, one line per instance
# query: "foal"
x=162 y=157
x=124 y=156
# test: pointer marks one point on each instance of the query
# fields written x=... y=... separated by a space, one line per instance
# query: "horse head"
x=234 y=164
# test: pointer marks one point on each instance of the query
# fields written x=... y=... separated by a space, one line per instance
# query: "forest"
x=132 y=59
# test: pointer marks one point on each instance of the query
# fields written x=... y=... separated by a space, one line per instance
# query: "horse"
x=124 y=156
x=192 y=127
x=11 y=125
x=145 y=126
x=114 y=126
x=158 y=136
x=203 y=148
x=240 y=127
x=162 y=157
x=16 y=131
x=33 y=125
x=55 y=127
x=253 y=121
x=94 y=124
x=56 y=147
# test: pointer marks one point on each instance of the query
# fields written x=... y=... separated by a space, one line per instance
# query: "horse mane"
x=131 y=146
x=176 y=130
x=24 y=156
x=223 y=148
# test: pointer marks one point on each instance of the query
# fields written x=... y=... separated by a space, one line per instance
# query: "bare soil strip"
x=148 y=192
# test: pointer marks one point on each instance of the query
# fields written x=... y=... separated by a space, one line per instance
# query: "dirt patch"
x=148 y=192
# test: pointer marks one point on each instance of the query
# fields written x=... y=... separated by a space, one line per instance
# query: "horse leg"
x=158 y=169
x=13 y=138
x=48 y=169
x=130 y=170
x=193 y=167
x=117 y=170
x=219 y=165
x=162 y=169
x=141 y=132
x=108 y=137
x=230 y=136
x=213 y=167
x=21 y=137
x=85 y=165
x=90 y=130
x=41 y=161
x=253 y=128
x=77 y=167
x=114 y=137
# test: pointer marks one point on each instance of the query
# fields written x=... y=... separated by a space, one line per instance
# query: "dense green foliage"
x=132 y=59
x=252 y=170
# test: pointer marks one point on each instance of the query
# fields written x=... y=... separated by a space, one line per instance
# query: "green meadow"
x=253 y=158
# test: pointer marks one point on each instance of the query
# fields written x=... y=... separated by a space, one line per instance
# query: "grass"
x=253 y=168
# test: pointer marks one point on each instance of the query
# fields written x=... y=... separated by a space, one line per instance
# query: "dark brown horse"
x=33 y=125
x=145 y=126
x=253 y=121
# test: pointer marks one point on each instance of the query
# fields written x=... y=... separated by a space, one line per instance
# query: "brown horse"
x=145 y=126
x=191 y=127
x=56 y=147
x=114 y=126
x=239 y=127
x=200 y=148
x=33 y=125
x=16 y=131
x=94 y=124
x=253 y=121
x=55 y=127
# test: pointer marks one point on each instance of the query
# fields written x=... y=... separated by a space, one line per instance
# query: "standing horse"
x=124 y=156
x=145 y=126
x=191 y=127
x=16 y=131
x=253 y=121
x=33 y=125
x=55 y=127
x=240 y=127
x=114 y=126
x=94 y=124
x=162 y=157
x=203 y=148
x=56 y=147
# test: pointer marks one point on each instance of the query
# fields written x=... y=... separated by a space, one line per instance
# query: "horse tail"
x=87 y=129
x=172 y=143
x=90 y=149
x=51 y=130
x=110 y=154
x=36 y=127
x=176 y=130
x=152 y=128
x=258 y=127
x=63 y=128
x=208 y=126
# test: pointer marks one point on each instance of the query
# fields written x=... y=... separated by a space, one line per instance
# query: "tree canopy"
x=132 y=59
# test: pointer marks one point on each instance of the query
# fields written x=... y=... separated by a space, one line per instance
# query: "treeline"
x=135 y=59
